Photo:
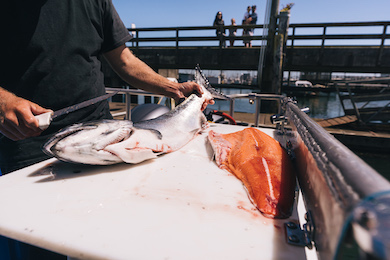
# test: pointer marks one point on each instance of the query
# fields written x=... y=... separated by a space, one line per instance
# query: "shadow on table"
x=57 y=170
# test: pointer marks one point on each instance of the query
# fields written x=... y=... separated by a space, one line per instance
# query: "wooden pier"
x=192 y=45
x=184 y=47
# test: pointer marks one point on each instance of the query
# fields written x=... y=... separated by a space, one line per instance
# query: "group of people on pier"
x=250 y=18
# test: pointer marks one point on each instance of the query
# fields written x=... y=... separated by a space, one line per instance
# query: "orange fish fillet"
x=262 y=165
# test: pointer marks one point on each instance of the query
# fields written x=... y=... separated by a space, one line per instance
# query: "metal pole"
x=263 y=45
x=128 y=107
x=231 y=108
x=258 y=110
x=280 y=50
x=267 y=75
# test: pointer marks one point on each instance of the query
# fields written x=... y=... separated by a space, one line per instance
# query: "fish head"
x=85 y=142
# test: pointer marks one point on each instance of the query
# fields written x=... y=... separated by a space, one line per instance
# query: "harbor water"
x=322 y=105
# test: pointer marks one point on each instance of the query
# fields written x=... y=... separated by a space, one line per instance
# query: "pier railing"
x=369 y=33
x=317 y=34
x=253 y=97
x=181 y=36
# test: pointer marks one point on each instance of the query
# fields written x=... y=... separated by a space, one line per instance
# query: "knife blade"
x=46 y=118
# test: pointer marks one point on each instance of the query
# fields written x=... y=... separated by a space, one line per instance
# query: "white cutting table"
x=179 y=206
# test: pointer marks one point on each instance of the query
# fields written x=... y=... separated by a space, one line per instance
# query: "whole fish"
x=113 y=141
x=262 y=165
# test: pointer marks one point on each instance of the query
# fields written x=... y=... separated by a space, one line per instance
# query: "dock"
x=363 y=141
x=337 y=121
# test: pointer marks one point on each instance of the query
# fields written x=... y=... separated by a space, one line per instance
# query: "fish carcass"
x=113 y=141
x=262 y=165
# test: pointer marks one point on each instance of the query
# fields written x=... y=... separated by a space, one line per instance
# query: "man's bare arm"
x=138 y=74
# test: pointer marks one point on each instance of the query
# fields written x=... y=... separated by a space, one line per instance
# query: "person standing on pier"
x=245 y=21
x=219 y=23
x=247 y=14
x=232 y=32
x=252 y=20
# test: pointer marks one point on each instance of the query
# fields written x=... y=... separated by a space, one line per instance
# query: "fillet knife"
x=46 y=118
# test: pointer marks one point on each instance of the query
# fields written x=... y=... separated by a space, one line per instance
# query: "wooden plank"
x=329 y=122
x=337 y=121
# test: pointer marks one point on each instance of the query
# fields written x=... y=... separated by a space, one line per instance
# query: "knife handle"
x=44 y=120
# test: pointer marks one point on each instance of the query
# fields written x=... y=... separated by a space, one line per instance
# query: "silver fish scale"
x=183 y=118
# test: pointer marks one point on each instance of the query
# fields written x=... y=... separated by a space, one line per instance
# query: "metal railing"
x=128 y=93
x=202 y=35
x=254 y=97
x=207 y=35
x=346 y=35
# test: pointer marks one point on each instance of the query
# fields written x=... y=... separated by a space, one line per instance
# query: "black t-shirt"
x=254 y=18
x=253 y=21
x=219 y=23
x=49 y=55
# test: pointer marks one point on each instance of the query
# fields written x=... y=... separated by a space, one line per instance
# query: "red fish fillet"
x=262 y=165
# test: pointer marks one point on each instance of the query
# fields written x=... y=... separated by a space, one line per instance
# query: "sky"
x=173 y=13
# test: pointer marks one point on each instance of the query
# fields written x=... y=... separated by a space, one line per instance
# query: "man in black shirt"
x=253 y=16
x=252 y=20
x=49 y=60
x=49 y=53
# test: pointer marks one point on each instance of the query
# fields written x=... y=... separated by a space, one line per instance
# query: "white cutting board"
x=179 y=206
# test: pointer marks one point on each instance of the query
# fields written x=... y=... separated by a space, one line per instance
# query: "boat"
x=303 y=83
x=369 y=108
x=182 y=206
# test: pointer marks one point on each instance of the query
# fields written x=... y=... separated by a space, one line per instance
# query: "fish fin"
x=202 y=80
x=137 y=155
x=156 y=132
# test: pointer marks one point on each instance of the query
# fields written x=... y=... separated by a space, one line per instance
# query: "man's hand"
x=190 y=87
x=17 y=119
x=179 y=91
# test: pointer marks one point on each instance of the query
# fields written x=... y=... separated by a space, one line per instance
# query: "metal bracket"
x=300 y=237
x=281 y=121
